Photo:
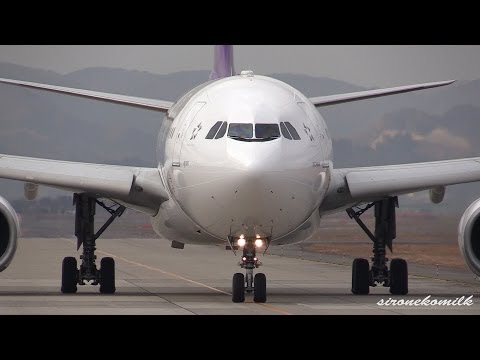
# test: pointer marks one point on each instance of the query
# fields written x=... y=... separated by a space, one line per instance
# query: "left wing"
x=357 y=185
x=152 y=104
x=134 y=187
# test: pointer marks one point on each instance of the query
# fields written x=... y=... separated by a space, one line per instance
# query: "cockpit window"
x=240 y=131
x=217 y=131
x=267 y=131
x=285 y=132
x=213 y=130
x=292 y=131
x=222 y=131
x=245 y=132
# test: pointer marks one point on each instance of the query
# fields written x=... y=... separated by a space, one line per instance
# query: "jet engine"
x=469 y=237
x=9 y=230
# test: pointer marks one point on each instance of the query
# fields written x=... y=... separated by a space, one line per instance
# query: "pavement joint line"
x=176 y=276
x=160 y=297
x=414 y=275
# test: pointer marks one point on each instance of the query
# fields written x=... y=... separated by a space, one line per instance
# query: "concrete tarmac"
x=152 y=278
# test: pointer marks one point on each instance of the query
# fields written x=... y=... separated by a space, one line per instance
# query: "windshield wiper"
x=237 y=138
x=268 y=138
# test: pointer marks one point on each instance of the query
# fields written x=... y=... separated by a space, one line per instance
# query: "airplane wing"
x=151 y=104
x=370 y=94
x=135 y=187
x=356 y=185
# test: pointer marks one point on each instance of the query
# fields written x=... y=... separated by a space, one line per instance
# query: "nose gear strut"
x=249 y=283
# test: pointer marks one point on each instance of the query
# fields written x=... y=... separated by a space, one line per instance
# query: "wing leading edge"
x=152 y=104
x=370 y=94
x=359 y=185
x=135 y=187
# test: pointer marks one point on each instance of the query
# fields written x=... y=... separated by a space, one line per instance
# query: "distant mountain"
x=409 y=135
x=428 y=125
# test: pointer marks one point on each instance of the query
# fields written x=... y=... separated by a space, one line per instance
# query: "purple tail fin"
x=223 y=62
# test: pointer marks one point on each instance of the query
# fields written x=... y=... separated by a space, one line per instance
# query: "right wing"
x=370 y=94
x=360 y=185
x=135 y=187
x=151 y=104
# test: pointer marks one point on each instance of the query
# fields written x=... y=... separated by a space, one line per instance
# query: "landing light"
x=244 y=258
x=258 y=236
x=241 y=242
x=259 y=243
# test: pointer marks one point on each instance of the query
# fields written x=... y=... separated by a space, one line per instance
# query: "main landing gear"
x=86 y=236
x=248 y=283
x=385 y=232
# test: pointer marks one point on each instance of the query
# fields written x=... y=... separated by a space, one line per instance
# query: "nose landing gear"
x=249 y=283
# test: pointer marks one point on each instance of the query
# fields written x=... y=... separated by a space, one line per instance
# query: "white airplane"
x=243 y=160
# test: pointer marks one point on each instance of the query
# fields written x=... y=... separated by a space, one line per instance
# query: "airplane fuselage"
x=245 y=155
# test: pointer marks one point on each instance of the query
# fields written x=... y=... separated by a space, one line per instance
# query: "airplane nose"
x=259 y=187
x=251 y=158
x=250 y=193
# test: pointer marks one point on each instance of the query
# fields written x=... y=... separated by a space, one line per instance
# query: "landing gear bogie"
x=364 y=276
x=88 y=273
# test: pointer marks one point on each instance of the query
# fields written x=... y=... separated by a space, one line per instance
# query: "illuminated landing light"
x=258 y=236
x=244 y=258
x=241 y=242
x=255 y=259
x=259 y=243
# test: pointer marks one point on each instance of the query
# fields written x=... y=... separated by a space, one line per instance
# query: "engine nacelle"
x=9 y=230
x=437 y=194
x=469 y=237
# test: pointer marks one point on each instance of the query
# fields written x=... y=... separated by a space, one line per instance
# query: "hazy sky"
x=363 y=65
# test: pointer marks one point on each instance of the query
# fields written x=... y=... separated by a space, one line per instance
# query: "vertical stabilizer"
x=223 y=62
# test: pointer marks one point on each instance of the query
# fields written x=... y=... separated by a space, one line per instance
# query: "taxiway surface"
x=153 y=278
